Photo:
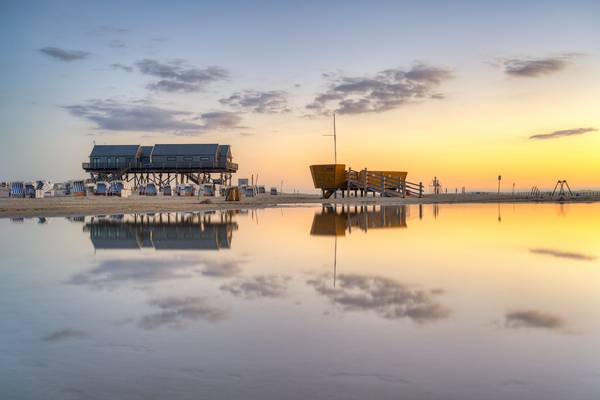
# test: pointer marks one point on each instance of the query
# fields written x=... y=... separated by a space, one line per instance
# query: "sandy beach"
x=99 y=205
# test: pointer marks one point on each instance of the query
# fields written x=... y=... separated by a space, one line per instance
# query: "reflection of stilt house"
x=332 y=221
x=163 y=232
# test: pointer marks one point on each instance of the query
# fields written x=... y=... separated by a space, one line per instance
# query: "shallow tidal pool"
x=413 y=302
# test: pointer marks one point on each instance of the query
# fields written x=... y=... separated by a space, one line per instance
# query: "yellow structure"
x=333 y=177
x=328 y=176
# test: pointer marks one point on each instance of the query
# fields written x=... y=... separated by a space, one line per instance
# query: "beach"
x=100 y=205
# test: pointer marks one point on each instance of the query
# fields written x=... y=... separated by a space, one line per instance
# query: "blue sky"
x=279 y=48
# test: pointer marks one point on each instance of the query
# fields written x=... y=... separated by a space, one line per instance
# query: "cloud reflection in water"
x=533 y=319
x=177 y=310
x=386 y=297
x=258 y=286
x=114 y=272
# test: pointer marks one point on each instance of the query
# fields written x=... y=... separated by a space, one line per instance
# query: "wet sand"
x=99 y=205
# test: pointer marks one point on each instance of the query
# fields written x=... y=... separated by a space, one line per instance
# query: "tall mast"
x=334 y=141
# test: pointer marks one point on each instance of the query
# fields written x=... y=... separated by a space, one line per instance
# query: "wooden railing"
x=190 y=165
x=382 y=183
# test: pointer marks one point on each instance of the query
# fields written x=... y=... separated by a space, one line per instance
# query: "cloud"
x=269 y=102
x=176 y=76
x=258 y=286
x=387 y=298
x=218 y=120
x=386 y=90
x=121 y=67
x=563 y=254
x=533 y=319
x=114 y=116
x=177 y=310
x=562 y=133
x=65 y=55
x=65 y=334
x=535 y=67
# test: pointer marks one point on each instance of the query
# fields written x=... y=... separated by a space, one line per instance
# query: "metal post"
x=499 y=179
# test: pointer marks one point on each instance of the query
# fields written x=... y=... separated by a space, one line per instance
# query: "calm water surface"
x=450 y=302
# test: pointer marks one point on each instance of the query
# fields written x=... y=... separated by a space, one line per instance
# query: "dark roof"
x=147 y=150
x=101 y=150
x=185 y=149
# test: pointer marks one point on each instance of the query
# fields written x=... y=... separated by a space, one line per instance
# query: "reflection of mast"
x=334 y=260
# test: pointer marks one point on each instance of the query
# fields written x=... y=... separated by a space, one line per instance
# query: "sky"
x=464 y=91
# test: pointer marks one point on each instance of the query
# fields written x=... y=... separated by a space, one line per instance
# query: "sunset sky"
x=460 y=90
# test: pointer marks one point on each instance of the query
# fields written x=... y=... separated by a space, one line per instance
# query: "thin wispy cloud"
x=117 y=44
x=64 y=335
x=263 y=102
x=64 y=54
x=534 y=67
x=122 y=67
x=563 y=254
x=112 y=29
x=562 y=133
x=386 y=90
x=178 y=76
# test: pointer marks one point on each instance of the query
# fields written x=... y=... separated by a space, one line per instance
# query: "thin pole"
x=499 y=179
x=334 y=260
x=334 y=141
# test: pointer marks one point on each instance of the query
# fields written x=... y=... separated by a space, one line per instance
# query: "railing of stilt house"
x=382 y=183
